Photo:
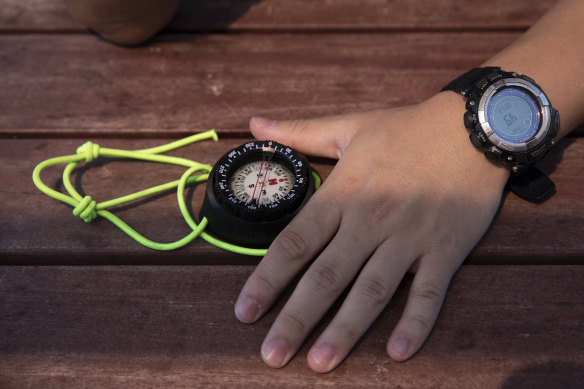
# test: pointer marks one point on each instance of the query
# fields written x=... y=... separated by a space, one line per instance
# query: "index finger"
x=294 y=247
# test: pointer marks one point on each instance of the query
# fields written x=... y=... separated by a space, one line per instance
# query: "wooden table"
x=81 y=305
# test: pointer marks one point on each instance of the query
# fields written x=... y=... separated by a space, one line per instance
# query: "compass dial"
x=262 y=182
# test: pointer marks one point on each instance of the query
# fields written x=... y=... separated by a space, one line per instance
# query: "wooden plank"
x=35 y=229
x=352 y=15
x=36 y=15
x=274 y=15
x=77 y=86
x=174 y=327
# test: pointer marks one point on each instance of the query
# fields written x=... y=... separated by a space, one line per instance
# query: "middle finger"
x=320 y=286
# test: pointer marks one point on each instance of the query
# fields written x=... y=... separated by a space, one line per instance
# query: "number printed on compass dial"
x=262 y=182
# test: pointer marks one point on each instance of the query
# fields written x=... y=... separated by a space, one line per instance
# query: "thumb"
x=324 y=137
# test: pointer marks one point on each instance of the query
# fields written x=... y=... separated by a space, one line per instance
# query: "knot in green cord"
x=90 y=149
x=86 y=209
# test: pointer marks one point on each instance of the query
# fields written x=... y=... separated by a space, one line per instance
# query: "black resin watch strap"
x=463 y=84
x=532 y=185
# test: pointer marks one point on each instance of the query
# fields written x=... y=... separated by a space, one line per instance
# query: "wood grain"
x=77 y=85
x=174 y=327
x=35 y=229
x=85 y=87
x=273 y=15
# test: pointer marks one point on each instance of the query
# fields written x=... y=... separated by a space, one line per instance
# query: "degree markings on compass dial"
x=260 y=182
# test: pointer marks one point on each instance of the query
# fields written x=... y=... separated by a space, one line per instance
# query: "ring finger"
x=368 y=297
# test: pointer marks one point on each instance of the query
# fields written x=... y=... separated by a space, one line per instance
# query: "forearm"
x=552 y=53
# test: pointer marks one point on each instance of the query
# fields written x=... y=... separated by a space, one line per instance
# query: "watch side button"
x=476 y=140
x=556 y=122
x=494 y=154
x=469 y=120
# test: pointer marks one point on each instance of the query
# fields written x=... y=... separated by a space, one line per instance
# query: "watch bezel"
x=544 y=109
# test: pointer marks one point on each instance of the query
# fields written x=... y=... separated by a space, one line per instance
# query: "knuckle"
x=375 y=290
x=299 y=126
x=346 y=330
x=426 y=299
x=291 y=244
x=428 y=296
x=377 y=211
x=445 y=244
x=294 y=323
x=428 y=293
x=325 y=280
x=420 y=321
x=264 y=282
x=379 y=214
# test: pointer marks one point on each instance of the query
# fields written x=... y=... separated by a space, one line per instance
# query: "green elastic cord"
x=317 y=180
x=87 y=209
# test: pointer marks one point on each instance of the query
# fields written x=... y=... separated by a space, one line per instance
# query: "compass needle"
x=257 y=181
x=264 y=182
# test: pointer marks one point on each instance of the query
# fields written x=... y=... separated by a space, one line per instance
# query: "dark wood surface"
x=501 y=327
x=82 y=305
x=316 y=15
x=183 y=83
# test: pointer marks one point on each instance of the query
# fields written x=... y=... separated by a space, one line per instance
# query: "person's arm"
x=552 y=53
x=409 y=193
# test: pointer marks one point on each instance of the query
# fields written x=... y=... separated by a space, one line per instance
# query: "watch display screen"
x=513 y=115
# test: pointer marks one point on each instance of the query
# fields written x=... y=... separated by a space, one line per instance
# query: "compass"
x=255 y=190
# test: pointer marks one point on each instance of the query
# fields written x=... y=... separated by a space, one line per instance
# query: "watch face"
x=513 y=114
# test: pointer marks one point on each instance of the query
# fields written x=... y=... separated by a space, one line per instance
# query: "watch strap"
x=532 y=185
x=464 y=83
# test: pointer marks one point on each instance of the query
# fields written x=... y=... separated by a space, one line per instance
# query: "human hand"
x=409 y=193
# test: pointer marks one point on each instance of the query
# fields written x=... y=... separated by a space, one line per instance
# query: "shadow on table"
x=208 y=16
x=547 y=375
x=192 y=19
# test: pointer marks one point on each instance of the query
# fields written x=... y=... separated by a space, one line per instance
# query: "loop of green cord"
x=88 y=209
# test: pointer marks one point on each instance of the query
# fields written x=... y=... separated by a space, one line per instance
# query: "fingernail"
x=399 y=347
x=263 y=122
x=274 y=352
x=323 y=356
x=247 y=309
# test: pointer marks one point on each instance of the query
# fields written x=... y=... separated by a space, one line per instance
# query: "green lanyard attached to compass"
x=252 y=192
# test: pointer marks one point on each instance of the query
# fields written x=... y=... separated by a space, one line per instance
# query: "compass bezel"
x=251 y=224
x=256 y=151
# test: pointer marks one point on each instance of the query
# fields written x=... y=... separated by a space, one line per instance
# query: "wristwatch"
x=512 y=121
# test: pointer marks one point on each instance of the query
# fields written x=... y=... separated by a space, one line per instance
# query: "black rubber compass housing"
x=244 y=220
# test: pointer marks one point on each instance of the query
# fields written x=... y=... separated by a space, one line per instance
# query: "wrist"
x=447 y=110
